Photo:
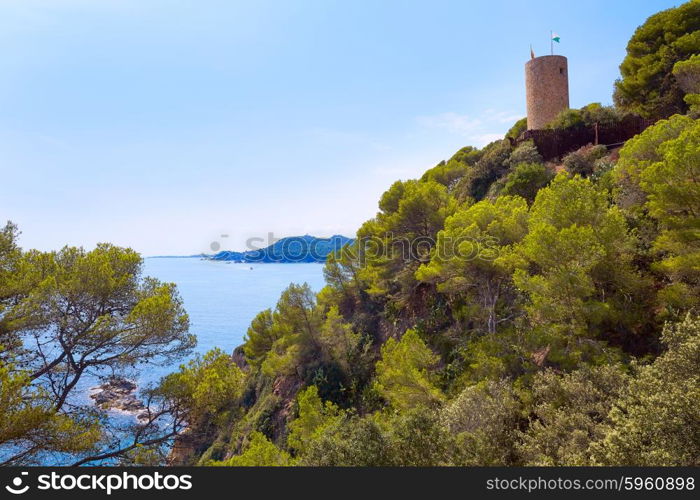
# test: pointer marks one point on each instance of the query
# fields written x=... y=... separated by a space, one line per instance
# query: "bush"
x=525 y=153
x=568 y=412
x=583 y=160
x=526 y=179
x=351 y=442
x=518 y=128
x=402 y=373
x=567 y=118
x=484 y=419
x=587 y=116
x=260 y=453
x=492 y=165
x=656 y=421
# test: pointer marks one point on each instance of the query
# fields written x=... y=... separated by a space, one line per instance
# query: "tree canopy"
x=71 y=313
x=648 y=86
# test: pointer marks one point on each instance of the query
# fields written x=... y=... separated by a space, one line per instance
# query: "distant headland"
x=290 y=250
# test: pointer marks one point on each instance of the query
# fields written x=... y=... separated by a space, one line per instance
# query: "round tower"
x=547 y=89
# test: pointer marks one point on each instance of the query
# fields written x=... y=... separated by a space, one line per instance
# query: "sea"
x=221 y=298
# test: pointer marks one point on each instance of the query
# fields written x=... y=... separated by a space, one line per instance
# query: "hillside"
x=508 y=311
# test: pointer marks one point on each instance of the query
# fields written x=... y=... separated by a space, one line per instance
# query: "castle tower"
x=547 y=89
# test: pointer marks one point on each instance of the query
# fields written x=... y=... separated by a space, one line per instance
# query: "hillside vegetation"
x=543 y=314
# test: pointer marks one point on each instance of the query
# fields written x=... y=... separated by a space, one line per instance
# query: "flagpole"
x=551 y=40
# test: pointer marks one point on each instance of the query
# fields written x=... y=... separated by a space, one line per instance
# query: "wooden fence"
x=553 y=144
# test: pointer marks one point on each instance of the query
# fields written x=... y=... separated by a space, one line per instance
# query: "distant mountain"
x=293 y=249
x=195 y=256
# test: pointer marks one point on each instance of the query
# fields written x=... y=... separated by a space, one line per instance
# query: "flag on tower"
x=532 y=53
x=555 y=38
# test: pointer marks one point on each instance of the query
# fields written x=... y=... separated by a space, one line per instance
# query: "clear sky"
x=162 y=124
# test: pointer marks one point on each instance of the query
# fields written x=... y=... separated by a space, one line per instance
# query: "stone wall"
x=547 y=89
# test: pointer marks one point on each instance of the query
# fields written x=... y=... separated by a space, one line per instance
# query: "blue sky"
x=162 y=124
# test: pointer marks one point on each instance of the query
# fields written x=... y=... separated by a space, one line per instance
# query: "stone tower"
x=547 y=89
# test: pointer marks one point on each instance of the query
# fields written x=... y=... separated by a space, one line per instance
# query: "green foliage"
x=295 y=325
x=492 y=165
x=526 y=179
x=402 y=373
x=657 y=174
x=412 y=438
x=341 y=344
x=526 y=152
x=656 y=421
x=68 y=312
x=136 y=319
x=576 y=258
x=484 y=419
x=589 y=115
x=673 y=199
x=518 y=128
x=639 y=153
x=259 y=453
x=417 y=438
x=314 y=417
x=568 y=412
x=206 y=387
x=583 y=160
x=401 y=236
x=27 y=417
x=343 y=286
x=468 y=155
x=602 y=115
x=693 y=102
x=647 y=86
x=350 y=442
x=687 y=74
x=299 y=338
x=260 y=338
x=446 y=173
x=566 y=119
x=468 y=262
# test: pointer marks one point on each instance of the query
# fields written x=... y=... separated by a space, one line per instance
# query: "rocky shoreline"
x=117 y=393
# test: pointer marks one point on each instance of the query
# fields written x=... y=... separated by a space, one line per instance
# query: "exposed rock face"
x=238 y=357
x=183 y=450
x=286 y=389
x=117 y=393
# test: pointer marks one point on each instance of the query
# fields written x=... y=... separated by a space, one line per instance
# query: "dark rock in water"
x=143 y=417
x=117 y=394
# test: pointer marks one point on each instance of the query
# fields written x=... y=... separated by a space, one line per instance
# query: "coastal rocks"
x=238 y=358
x=117 y=393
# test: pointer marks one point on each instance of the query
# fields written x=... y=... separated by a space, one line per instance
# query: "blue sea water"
x=221 y=298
